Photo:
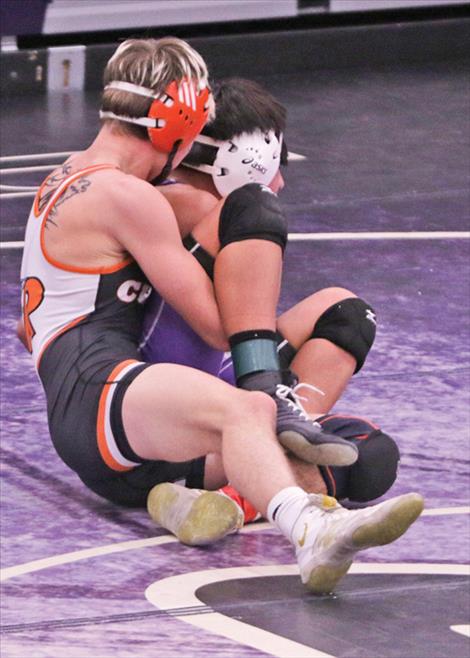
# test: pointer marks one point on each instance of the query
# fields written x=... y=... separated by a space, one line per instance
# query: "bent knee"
x=351 y=325
x=335 y=294
x=255 y=405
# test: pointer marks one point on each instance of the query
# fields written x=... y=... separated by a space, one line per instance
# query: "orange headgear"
x=176 y=115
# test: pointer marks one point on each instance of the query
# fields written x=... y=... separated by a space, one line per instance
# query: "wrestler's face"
x=277 y=183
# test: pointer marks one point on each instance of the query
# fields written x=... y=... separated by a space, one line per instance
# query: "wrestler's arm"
x=148 y=230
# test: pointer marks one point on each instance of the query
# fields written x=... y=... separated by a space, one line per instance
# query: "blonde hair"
x=151 y=63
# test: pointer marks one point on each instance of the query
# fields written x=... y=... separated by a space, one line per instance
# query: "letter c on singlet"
x=131 y=290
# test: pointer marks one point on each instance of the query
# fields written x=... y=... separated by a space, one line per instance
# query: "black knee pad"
x=351 y=325
x=376 y=468
x=252 y=212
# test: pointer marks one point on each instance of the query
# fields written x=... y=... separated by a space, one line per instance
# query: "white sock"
x=286 y=507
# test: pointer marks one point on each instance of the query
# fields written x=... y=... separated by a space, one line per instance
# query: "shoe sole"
x=322 y=454
x=210 y=517
x=393 y=525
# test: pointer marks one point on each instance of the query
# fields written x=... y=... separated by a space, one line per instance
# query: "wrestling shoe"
x=306 y=438
x=296 y=431
x=196 y=517
x=325 y=547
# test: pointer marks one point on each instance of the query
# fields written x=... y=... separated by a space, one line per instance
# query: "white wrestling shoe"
x=325 y=554
x=195 y=516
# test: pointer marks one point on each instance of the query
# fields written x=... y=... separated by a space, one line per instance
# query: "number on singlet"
x=33 y=294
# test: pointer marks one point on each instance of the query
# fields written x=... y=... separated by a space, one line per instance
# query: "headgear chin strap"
x=248 y=158
x=176 y=115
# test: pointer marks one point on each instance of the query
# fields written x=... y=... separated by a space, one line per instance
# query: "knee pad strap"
x=200 y=254
x=285 y=350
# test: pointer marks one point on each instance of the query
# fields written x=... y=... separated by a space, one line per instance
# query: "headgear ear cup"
x=246 y=158
x=179 y=114
x=176 y=115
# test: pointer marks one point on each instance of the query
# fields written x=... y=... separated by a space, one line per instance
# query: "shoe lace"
x=294 y=400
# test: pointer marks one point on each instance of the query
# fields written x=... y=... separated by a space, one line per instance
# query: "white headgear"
x=248 y=158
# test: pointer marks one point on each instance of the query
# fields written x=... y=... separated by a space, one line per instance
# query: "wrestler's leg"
x=369 y=478
x=166 y=415
x=306 y=475
x=318 y=362
x=175 y=413
x=256 y=266
x=249 y=304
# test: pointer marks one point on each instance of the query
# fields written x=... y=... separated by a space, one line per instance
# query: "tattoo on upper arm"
x=50 y=187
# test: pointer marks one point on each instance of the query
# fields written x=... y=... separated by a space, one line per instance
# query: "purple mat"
x=415 y=384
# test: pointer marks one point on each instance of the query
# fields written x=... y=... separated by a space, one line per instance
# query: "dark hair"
x=243 y=106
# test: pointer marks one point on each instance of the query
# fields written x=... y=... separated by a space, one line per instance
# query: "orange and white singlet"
x=57 y=296
x=83 y=328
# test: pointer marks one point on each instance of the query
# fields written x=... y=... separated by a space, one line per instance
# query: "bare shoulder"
x=188 y=193
x=189 y=204
x=132 y=188
x=136 y=198
x=141 y=216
